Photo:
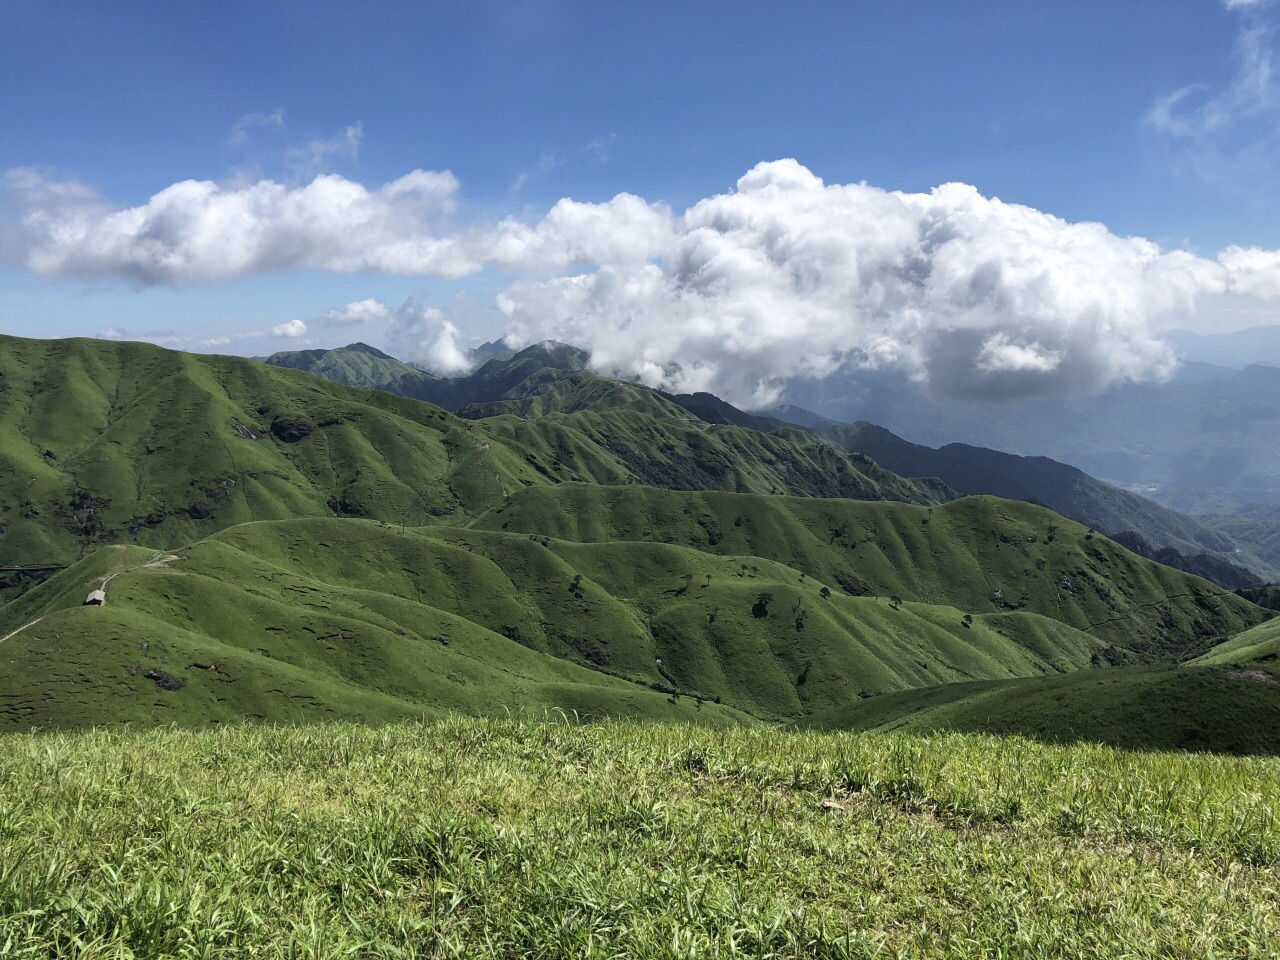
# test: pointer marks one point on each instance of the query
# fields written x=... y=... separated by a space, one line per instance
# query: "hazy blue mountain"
x=1238 y=349
x=1206 y=428
x=1070 y=492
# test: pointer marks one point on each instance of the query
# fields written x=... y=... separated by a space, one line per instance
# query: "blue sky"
x=1157 y=120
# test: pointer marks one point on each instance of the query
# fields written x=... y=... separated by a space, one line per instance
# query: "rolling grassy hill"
x=1211 y=707
x=631 y=601
x=372 y=624
x=287 y=620
x=977 y=554
x=116 y=442
x=275 y=545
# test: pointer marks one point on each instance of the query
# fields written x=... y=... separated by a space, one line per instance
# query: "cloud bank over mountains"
x=783 y=276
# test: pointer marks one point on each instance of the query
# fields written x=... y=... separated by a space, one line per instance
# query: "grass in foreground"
x=506 y=838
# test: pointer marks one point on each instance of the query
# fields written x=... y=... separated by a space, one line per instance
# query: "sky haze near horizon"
x=752 y=190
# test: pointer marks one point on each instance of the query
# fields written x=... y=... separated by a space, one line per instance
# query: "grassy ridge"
x=232 y=628
x=285 y=620
x=123 y=442
x=496 y=839
x=288 y=620
x=978 y=555
x=1202 y=708
x=1260 y=644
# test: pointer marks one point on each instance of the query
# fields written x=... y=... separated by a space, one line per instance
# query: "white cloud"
x=251 y=121
x=446 y=355
x=113 y=333
x=357 y=314
x=318 y=154
x=1229 y=136
x=784 y=276
x=999 y=354
x=291 y=329
x=198 y=230
x=787 y=276
x=1252 y=271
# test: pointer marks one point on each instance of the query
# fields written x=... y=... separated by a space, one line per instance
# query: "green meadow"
x=514 y=838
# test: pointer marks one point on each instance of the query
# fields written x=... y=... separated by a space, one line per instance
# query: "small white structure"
x=96 y=599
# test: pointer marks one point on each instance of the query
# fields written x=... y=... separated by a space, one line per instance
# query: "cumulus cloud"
x=445 y=354
x=1252 y=271
x=291 y=329
x=357 y=314
x=199 y=230
x=787 y=276
x=784 y=276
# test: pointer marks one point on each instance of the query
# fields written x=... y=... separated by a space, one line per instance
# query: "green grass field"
x=511 y=838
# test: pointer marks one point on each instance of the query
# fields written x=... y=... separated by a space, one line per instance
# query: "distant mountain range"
x=1207 y=428
x=1070 y=492
x=1238 y=349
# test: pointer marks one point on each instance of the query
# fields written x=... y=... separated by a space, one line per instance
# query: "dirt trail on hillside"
x=20 y=629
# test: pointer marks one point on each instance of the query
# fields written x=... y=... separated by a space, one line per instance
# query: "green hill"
x=310 y=618
x=498 y=378
x=120 y=442
x=276 y=545
x=631 y=601
x=1213 y=708
x=978 y=554
x=357 y=365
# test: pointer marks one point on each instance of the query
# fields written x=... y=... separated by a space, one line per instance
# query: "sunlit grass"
x=466 y=838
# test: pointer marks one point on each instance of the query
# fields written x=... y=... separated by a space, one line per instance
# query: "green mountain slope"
x=358 y=365
x=302 y=620
x=978 y=554
x=116 y=442
x=299 y=619
x=1259 y=645
x=1204 y=708
x=1062 y=488
x=103 y=442
x=289 y=619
